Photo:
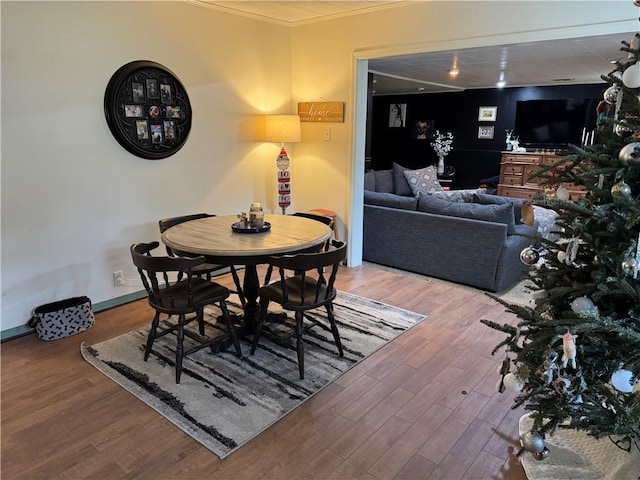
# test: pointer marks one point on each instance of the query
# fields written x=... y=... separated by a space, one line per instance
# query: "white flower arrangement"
x=442 y=143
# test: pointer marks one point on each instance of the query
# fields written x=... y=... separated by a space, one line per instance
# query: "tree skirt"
x=575 y=455
x=223 y=401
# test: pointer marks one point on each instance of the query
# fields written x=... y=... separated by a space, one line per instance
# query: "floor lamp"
x=283 y=129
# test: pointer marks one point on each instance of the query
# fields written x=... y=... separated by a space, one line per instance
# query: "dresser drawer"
x=522 y=158
x=517 y=192
x=512 y=169
x=512 y=179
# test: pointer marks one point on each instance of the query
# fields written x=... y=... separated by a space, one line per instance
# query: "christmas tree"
x=574 y=356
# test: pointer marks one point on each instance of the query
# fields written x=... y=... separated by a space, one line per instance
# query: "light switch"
x=327 y=135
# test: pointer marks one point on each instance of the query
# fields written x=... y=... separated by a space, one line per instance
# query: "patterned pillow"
x=424 y=180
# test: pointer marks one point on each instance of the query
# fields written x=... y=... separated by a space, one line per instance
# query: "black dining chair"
x=207 y=269
x=188 y=294
x=328 y=221
x=306 y=288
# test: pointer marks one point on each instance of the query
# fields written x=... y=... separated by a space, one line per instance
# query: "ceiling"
x=550 y=62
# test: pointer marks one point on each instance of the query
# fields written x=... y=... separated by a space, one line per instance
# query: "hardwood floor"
x=422 y=407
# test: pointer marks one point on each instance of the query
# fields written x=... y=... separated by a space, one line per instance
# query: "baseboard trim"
x=23 y=330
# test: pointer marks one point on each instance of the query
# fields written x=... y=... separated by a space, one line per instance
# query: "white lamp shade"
x=282 y=128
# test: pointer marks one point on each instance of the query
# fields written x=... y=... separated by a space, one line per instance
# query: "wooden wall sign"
x=328 y=112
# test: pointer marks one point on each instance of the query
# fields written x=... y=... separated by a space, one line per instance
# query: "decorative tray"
x=239 y=227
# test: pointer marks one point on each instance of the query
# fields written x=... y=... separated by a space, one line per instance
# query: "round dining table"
x=215 y=239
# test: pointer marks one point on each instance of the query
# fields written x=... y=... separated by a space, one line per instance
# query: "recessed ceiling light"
x=501 y=84
x=421 y=89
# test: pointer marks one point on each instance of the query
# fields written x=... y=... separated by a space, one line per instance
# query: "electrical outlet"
x=118 y=278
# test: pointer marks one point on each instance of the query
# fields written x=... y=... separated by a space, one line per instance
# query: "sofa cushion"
x=424 y=180
x=489 y=213
x=384 y=181
x=400 y=182
x=390 y=200
x=370 y=180
x=485 y=199
x=459 y=195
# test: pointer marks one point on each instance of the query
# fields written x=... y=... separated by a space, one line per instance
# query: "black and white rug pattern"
x=223 y=401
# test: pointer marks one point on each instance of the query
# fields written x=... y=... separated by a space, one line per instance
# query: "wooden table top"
x=213 y=236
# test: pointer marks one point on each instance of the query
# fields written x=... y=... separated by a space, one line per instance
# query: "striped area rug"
x=224 y=401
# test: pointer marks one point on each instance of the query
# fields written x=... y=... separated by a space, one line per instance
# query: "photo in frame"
x=397 y=115
x=423 y=129
x=485 y=133
x=487 y=114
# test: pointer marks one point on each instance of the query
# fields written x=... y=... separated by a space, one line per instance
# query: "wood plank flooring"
x=422 y=407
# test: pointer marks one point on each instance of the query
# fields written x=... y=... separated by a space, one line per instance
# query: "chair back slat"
x=162 y=293
x=310 y=289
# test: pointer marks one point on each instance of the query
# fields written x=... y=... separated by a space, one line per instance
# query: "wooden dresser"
x=516 y=169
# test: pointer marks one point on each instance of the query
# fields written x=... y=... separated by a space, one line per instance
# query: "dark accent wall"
x=474 y=159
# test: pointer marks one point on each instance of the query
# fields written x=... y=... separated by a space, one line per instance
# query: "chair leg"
x=180 y=347
x=264 y=305
x=200 y=314
x=300 y=343
x=334 y=329
x=152 y=335
x=236 y=280
x=232 y=328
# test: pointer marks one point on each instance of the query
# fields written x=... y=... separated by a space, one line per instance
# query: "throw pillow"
x=485 y=199
x=390 y=200
x=370 y=181
x=423 y=181
x=384 y=180
x=460 y=195
x=488 y=213
x=400 y=182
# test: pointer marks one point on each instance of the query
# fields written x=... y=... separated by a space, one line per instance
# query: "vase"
x=440 y=165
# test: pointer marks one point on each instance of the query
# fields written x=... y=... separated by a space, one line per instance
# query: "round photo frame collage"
x=147 y=110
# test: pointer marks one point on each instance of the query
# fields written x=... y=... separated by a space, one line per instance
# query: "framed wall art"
x=485 y=133
x=397 y=115
x=423 y=129
x=147 y=110
x=487 y=114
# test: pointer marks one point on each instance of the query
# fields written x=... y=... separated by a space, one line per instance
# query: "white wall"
x=73 y=199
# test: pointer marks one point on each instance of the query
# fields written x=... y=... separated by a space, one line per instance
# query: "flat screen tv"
x=554 y=123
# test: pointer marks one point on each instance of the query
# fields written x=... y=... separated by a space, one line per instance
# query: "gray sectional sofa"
x=475 y=240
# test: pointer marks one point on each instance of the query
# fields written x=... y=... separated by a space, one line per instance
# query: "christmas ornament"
x=562 y=194
x=572 y=250
x=561 y=385
x=532 y=442
x=627 y=265
x=610 y=94
x=621 y=129
x=529 y=256
x=631 y=76
x=545 y=372
x=621 y=189
x=503 y=371
x=541 y=455
x=582 y=305
x=562 y=256
x=627 y=153
x=569 y=349
x=512 y=383
x=622 y=380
